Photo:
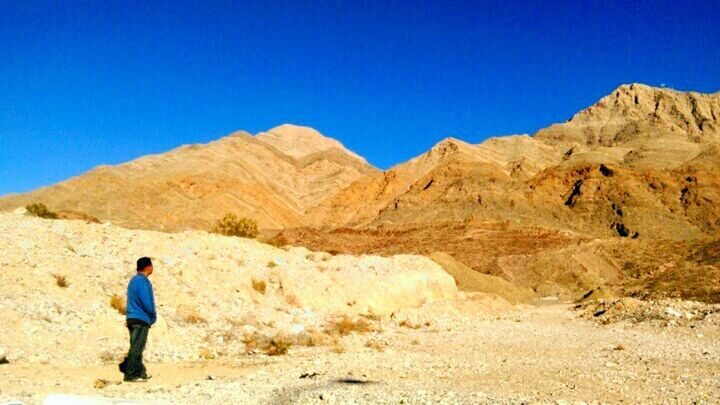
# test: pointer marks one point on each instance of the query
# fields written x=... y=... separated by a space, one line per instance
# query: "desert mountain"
x=641 y=161
x=626 y=194
x=273 y=177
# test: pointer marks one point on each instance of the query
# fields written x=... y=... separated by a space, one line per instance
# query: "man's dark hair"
x=143 y=263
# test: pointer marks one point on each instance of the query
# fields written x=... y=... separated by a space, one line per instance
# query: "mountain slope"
x=625 y=195
x=618 y=167
x=194 y=185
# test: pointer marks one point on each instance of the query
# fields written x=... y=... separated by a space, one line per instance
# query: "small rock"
x=673 y=312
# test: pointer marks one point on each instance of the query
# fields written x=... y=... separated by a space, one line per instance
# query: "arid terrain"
x=600 y=200
x=577 y=265
x=243 y=322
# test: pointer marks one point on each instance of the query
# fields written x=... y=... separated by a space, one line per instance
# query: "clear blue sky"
x=84 y=83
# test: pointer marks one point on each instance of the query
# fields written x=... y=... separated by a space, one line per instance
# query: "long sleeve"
x=148 y=302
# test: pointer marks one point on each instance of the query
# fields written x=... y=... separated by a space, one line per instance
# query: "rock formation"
x=273 y=178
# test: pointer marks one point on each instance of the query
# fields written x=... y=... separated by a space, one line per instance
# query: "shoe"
x=135 y=380
x=146 y=377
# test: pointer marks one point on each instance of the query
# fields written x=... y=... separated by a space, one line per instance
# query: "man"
x=141 y=316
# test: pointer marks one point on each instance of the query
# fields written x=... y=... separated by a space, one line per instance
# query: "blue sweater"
x=141 y=300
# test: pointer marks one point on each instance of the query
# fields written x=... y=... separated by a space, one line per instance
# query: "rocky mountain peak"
x=636 y=109
x=300 y=141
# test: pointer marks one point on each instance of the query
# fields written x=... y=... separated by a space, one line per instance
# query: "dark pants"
x=133 y=366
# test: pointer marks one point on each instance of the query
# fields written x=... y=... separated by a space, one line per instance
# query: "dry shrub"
x=193 y=318
x=118 y=303
x=259 y=285
x=406 y=323
x=281 y=342
x=78 y=215
x=376 y=344
x=371 y=316
x=338 y=348
x=277 y=347
x=345 y=325
x=246 y=319
x=61 y=281
x=312 y=337
x=272 y=346
x=271 y=264
x=293 y=300
x=207 y=354
x=108 y=357
x=231 y=225
x=41 y=211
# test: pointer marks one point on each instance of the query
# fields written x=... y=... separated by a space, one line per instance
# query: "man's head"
x=144 y=266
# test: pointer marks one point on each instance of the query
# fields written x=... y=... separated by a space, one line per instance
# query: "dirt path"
x=544 y=354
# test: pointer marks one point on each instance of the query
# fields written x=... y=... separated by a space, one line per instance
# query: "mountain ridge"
x=193 y=185
x=293 y=176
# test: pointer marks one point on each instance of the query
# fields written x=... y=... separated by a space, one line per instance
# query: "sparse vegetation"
x=406 y=323
x=345 y=325
x=41 y=211
x=192 y=316
x=293 y=300
x=277 y=345
x=371 y=316
x=207 y=354
x=376 y=344
x=78 y=215
x=313 y=337
x=108 y=357
x=231 y=225
x=61 y=281
x=259 y=285
x=118 y=303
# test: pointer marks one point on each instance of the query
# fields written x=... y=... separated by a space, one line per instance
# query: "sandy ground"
x=544 y=354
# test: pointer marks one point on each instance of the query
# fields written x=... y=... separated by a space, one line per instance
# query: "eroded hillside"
x=273 y=178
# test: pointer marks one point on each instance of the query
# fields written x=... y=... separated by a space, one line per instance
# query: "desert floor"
x=544 y=353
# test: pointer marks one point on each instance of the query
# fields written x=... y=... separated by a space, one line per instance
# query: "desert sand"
x=408 y=334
